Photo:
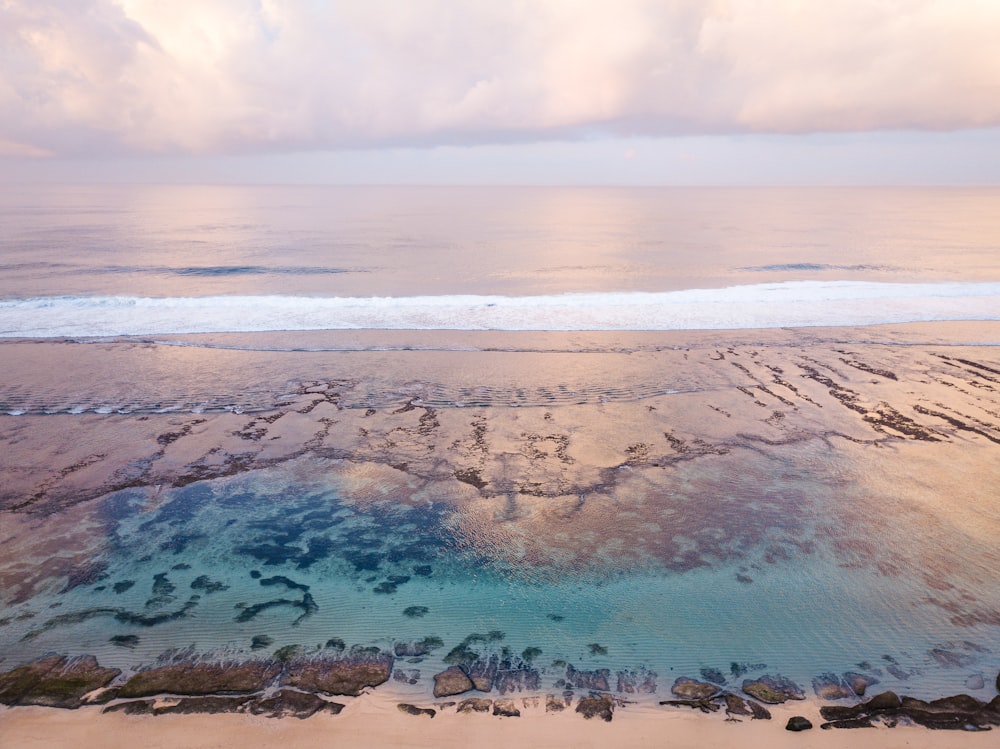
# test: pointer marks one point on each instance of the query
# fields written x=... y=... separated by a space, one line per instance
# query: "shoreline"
x=526 y=453
x=374 y=720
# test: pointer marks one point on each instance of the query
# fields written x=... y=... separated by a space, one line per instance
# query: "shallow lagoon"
x=675 y=531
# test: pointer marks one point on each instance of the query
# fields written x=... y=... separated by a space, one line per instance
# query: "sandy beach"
x=374 y=721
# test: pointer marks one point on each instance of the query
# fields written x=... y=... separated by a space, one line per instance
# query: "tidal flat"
x=538 y=519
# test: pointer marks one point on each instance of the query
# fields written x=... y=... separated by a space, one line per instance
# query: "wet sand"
x=375 y=722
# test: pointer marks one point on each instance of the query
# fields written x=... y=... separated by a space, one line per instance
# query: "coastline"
x=374 y=720
x=507 y=443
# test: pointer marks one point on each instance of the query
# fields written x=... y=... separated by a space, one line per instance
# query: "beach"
x=720 y=474
x=377 y=723
x=601 y=540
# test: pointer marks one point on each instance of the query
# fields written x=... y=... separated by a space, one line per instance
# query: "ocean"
x=712 y=433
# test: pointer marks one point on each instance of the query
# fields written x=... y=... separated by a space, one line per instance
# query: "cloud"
x=98 y=77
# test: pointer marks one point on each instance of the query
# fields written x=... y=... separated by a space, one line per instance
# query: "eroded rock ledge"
x=303 y=686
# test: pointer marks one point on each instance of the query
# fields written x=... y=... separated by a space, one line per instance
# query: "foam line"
x=773 y=305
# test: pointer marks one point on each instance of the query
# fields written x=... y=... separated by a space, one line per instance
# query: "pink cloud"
x=236 y=76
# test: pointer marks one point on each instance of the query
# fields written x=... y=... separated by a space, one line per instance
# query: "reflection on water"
x=813 y=508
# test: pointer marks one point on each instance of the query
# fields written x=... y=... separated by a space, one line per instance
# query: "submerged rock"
x=596 y=680
x=831 y=687
x=713 y=675
x=516 y=675
x=452 y=681
x=690 y=689
x=637 y=682
x=859 y=683
x=773 y=690
x=975 y=681
x=55 y=681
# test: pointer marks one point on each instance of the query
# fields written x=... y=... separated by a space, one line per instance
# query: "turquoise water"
x=185 y=568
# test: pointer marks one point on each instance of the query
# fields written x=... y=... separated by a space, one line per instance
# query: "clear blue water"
x=744 y=542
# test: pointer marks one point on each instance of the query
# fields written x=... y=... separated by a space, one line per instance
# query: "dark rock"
x=403 y=707
x=506 y=709
x=601 y=706
x=798 y=723
x=883 y=701
x=596 y=680
x=415 y=612
x=830 y=687
x=475 y=705
x=597 y=649
x=203 y=704
x=289 y=703
x=736 y=705
x=759 y=711
x=133 y=707
x=348 y=675
x=201 y=678
x=55 y=681
x=554 y=704
x=773 y=690
x=957 y=712
x=841 y=712
x=689 y=689
x=705 y=705
x=452 y=680
x=125 y=641
x=849 y=723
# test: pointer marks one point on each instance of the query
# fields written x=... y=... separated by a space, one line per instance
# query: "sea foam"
x=772 y=305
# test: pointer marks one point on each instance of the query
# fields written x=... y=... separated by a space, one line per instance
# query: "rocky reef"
x=55 y=681
x=293 y=684
x=959 y=712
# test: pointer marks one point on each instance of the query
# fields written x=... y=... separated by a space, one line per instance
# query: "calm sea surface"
x=546 y=419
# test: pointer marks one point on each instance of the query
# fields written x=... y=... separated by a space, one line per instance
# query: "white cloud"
x=235 y=76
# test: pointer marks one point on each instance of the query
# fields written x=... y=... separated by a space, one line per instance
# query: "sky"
x=492 y=92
